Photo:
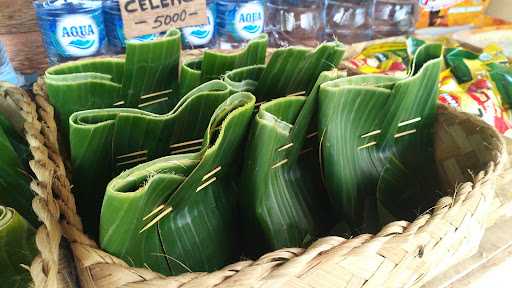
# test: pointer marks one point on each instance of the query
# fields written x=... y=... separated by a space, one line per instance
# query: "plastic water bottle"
x=293 y=22
x=394 y=17
x=114 y=28
x=239 y=21
x=201 y=36
x=348 y=21
x=7 y=73
x=71 y=28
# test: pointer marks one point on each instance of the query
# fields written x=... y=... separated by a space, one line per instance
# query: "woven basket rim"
x=55 y=206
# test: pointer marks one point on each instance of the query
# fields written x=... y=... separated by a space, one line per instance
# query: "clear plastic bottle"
x=239 y=21
x=293 y=22
x=348 y=21
x=394 y=17
x=201 y=36
x=7 y=73
x=71 y=28
x=115 y=29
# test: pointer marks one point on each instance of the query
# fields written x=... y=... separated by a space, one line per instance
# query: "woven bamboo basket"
x=469 y=156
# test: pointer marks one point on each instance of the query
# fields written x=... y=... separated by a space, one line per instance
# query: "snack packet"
x=479 y=97
x=444 y=13
x=479 y=84
x=388 y=58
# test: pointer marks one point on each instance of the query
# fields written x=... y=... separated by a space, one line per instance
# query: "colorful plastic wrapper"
x=480 y=97
x=480 y=84
x=445 y=13
x=389 y=58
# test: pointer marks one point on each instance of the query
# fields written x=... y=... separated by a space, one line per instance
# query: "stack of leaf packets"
x=377 y=142
x=376 y=155
x=146 y=80
x=117 y=139
x=191 y=223
x=244 y=157
x=177 y=213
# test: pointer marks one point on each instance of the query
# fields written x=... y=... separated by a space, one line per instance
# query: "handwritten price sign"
x=141 y=17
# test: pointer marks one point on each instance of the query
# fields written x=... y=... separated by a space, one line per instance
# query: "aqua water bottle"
x=293 y=22
x=394 y=17
x=115 y=29
x=348 y=21
x=71 y=28
x=201 y=36
x=7 y=73
x=239 y=21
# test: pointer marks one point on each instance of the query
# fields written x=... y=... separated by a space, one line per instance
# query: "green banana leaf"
x=245 y=78
x=177 y=213
x=283 y=204
x=413 y=44
x=144 y=80
x=18 y=247
x=105 y=142
x=455 y=60
x=296 y=69
x=15 y=175
x=377 y=142
x=283 y=200
x=502 y=77
x=94 y=135
x=214 y=64
x=152 y=67
x=289 y=70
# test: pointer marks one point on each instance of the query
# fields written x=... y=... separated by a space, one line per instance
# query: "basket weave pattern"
x=402 y=254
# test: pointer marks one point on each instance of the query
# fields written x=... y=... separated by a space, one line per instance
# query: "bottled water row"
x=308 y=22
x=79 y=28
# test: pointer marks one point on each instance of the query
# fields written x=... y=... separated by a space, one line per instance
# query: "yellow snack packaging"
x=444 y=13
x=480 y=84
x=388 y=58
x=479 y=97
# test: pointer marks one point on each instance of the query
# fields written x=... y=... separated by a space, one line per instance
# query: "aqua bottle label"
x=243 y=22
x=79 y=35
x=115 y=28
x=120 y=39
x=72 y=29
x=200 y=35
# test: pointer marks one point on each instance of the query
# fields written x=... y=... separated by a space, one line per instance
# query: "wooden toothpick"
x=157 y=218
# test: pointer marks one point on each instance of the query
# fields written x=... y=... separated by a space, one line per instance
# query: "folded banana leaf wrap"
x=147 y=78
x=113 y=140
x=178 y=213
x=283 y=203
x=105 y=142
x=289 y=71
x=178 y=254
x=377 y=142
x=144 y=79
x=17 y=248
x=15 y=173
x=214 y=64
